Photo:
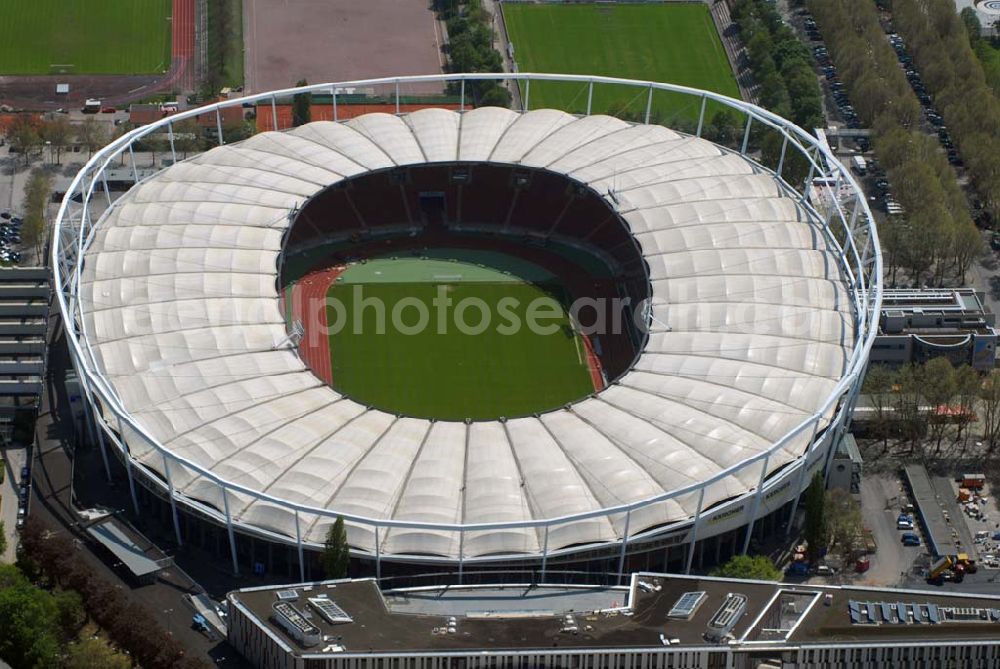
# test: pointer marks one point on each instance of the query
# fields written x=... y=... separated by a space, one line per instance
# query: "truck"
x=967 y=564
x=940 y=566
x=973 y=481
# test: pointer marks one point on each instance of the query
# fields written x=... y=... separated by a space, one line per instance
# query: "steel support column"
x=545 y=553
x=461 y=96
x=229 y=530
x=590 y=96
x=527 y=95
x=756 y=503
x=170 y=137
x=801 y=479
x=378 y=557
x=693 y=540
x=173 y=502
x=397 y=97
x=274 y=113
x=746 y=135
x=131 y=158
x=218 y=125
x=127 y=455
x=649 y=104
x=461 y=550
x=621 y=556
x=781 y=158
x=701 y=116
x=298 y=544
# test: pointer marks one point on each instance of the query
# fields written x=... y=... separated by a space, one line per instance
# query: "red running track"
x=593 y=364
x=182 y=34
x=309 y=308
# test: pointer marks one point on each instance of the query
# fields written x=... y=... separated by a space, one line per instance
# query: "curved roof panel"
x=752 y=329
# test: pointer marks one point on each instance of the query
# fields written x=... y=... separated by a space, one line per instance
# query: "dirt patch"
x=338 y=40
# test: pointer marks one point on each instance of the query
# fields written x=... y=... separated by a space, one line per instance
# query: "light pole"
x=48 y=147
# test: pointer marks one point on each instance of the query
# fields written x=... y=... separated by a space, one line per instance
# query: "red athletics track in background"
x=593 y=364
x=182 y=49
x=309 y=308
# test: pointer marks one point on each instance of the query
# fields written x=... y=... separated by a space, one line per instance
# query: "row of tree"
x=937 y=236
x=782 y=65
x=35 y=226
x=29 y=134
x=937 y=39
x=470 y=49
x=42 y=628
x=53 y=560
x=934 y=400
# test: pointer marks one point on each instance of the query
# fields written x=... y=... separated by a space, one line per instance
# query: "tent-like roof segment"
x=752 y=329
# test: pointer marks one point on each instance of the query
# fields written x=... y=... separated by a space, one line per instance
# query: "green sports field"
x=84 y=36
x=451 y=371
x=673 y=43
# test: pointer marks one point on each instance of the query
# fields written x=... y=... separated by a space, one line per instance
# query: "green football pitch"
x=85 y=36
x=671 y=43
x=453 y=368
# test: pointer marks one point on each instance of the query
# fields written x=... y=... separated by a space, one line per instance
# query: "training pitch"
x=453 y=368
x=675 y=43
x=84 y=37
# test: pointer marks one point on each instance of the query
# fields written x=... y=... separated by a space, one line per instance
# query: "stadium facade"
x=759 y=313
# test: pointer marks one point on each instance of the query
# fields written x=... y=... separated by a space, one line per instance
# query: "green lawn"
x=671 y=43
x=84 y=36
x=440 y=371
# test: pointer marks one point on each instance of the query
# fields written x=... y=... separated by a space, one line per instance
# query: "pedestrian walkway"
x=737 y=53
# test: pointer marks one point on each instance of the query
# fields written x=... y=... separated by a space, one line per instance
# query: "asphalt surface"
x=52 y=503
x=892 y=561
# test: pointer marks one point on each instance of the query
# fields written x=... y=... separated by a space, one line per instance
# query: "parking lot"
x=882 y=497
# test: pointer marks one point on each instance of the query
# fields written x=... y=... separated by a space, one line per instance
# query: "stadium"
x=747 y=307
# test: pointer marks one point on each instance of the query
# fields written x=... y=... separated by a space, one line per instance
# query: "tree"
x=939 y=389
x=846 y=523
x=968 y=383
x=70 y=613
x=3 y=539
x=37 y=193
x=23 y=136
x=815 y=531
x=756 y=567
x=301 y=106
x=989 y=397
x=92 y=134
x=58 y=133
x=878 y=387
x=95 y=654
x=722 y=129
x=336 y=552
x=28 y=620
x=187 y=137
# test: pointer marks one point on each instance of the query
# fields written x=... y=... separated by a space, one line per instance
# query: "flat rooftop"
x=523 y=617
x=928 y=502
x=136 y=553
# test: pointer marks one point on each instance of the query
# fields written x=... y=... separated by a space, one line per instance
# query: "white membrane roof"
x=752 y=329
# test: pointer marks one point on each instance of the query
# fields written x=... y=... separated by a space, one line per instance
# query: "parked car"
x=910 y=539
